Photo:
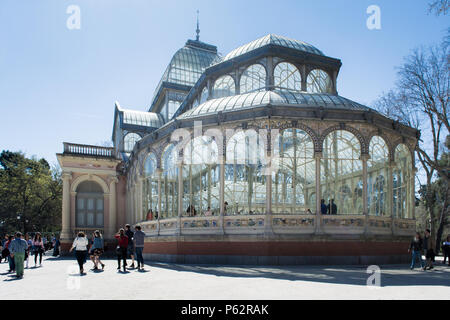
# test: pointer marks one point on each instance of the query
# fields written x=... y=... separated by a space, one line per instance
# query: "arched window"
x=377 y=167
x=402 y=183
x=89 y=205
x=204 y=95
x=293 y=182
x=341 y=173
x=245 y=190
x=130 y=140
x=169 y=183
x=201 y=177
x=253 y=79
x=318 y=81
x=286 y=76
x=150 y=185
x=224 y=87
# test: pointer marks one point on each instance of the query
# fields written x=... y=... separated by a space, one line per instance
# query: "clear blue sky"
x=60 y=85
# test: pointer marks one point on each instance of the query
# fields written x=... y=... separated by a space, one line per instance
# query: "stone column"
x=112 y=228
x=65 y=230
x=365 y=158
x=318 y=224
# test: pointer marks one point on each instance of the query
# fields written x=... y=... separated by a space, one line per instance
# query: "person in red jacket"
x=121 y=249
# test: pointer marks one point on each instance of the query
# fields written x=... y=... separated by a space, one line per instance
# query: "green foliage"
x=30 y=194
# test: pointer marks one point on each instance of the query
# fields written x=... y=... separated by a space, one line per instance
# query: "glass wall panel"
x=318 y=81
x=253 y=79
x=201 y=173
x=150 y=185
x=204 y=95
x=172 y=108
x=293 y=182
x=377 y=173
x=169 y=183
x=130 y=140
x=286 y=76
x=245 y=184
x=224 y=87
x=341 y=173
x=401 y=183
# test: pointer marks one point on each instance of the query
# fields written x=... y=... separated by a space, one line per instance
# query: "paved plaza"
x=58 y=278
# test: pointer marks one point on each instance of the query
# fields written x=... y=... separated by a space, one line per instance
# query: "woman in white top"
x=80 y=245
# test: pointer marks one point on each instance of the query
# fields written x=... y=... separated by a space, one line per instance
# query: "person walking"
x=446 y=249
x=17 y=248
x=80 y=245
x=56 y=246
x=121 y=249
x=5 y=251
x=97 y=249
x=130 y=249
x=28 y=252
x=38 y=248
x=12 y=266
x=139 y=237
x=429 y=249
x=416 y=247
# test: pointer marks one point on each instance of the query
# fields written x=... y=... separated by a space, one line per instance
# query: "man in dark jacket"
x=130 y=251
x=323 y=207
x=332 y=207
x=416 y=248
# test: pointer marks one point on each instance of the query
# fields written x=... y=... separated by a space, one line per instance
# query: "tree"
x=30 y=194
x=420 y=99
x=439 y=7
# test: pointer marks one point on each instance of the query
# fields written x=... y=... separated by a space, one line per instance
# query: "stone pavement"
x=58 y=278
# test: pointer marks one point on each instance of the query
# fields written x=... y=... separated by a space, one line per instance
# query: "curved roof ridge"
x=272 y=39
x=274 y=97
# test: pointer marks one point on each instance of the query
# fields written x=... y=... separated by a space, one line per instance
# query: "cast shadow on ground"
x=391 y=275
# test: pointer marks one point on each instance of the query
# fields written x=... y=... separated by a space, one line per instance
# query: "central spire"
x=198 y=29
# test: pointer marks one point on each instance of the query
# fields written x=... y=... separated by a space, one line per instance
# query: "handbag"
x=118 y=250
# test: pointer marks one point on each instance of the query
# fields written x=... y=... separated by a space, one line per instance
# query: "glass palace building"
x=249 y=158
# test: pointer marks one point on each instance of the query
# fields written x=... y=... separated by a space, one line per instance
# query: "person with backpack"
x=80 y=245
x=415 y=248
x=121 y=249
x=139 y=237
x=17 y=247
x=97 y=249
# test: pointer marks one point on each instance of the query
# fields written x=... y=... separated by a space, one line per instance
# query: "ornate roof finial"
x=198 y=29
